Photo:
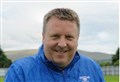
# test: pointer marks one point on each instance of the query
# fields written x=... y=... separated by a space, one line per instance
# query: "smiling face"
x=60 y=41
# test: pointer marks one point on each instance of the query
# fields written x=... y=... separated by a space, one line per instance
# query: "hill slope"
x=99 y=56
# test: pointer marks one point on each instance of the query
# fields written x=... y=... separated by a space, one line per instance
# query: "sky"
x=21 y=24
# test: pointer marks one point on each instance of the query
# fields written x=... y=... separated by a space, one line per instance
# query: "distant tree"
x=115 y=58
x=4 y=61
x=105 y=64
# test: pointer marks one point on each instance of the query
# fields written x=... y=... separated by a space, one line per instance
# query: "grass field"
x=107 y=78
x=1 y=79
x=112 y=78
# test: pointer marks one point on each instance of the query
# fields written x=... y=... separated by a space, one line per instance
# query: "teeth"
x=60 y=51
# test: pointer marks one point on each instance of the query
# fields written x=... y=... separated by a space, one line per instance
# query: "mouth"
x=61 y=52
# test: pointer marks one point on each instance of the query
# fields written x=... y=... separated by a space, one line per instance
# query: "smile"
x=61 y=51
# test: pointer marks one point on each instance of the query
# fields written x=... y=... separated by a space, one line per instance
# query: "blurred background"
x=21 y=31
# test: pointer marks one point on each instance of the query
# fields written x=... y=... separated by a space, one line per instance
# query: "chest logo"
x=85 y=78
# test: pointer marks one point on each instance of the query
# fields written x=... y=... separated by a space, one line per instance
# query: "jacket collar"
x=53 y=66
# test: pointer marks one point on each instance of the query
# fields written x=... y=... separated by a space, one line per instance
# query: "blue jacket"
x=38 y=69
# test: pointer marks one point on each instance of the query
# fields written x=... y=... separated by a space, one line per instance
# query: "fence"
x=3 y=71
x=107 y=70
x=110 y=70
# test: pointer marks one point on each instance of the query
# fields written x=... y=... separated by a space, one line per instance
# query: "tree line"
x=114 y=60
x=4 y=61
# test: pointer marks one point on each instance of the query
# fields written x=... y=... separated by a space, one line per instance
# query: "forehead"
x=63 y=27
x=55 y=23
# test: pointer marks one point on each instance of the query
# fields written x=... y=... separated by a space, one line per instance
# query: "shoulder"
x=89 y=65
x=87 y=61
x=20 y=68
x=25 y=64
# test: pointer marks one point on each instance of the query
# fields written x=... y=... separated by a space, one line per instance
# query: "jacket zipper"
x=63 y=74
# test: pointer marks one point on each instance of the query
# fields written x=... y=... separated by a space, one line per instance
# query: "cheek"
x=49 y=44
x=73 y=44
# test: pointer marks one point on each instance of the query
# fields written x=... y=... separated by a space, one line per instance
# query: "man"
x=57 y=59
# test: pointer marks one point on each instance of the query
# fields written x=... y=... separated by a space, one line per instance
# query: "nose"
x=62 y=42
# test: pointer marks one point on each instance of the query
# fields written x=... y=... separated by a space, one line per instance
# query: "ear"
x=43 y=37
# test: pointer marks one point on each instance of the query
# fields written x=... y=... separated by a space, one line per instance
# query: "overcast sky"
x=22 y=24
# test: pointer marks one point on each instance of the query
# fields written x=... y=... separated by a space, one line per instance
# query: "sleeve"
x=14 y=75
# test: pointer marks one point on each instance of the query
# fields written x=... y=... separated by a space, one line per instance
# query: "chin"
x=60 y=63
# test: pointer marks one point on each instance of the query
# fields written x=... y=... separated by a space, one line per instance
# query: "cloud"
x=104 y=36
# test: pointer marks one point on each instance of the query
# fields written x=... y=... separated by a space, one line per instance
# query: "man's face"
x=60 y=41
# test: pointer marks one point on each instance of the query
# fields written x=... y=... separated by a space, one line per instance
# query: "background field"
x=107 y=78
x=112 y=78
x=1 y=79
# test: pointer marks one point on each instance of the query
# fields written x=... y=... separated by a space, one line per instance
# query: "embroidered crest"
x=85 y=78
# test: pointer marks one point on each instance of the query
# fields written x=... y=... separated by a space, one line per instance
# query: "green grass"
x=107 y=78
x=112 y=78
x=1 y=79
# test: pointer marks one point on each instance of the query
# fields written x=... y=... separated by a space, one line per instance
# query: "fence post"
x=110 y=70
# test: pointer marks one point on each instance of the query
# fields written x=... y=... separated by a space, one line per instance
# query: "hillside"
x=17 y=54
x=98 y=56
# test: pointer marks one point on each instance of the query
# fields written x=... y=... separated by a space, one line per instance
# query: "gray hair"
x=62 y=14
